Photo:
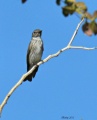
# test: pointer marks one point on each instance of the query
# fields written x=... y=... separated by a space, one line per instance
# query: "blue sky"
x=64 y=86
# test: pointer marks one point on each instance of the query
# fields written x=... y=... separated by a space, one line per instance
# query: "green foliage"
x=69 y=2
x=71 y=6
x=68 y=10
x=81 y=7
x=93 y=27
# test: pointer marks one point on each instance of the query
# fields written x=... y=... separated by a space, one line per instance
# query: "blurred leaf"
x=86 y=29
x=69 y=2
x=68 y=10
x=81 y=6
x=58 y=2
x=93 y=27
x=91 y=17
x=95 y=15
x=88 y=15
x=23 y=1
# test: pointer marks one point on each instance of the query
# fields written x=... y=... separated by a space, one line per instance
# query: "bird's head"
x=37 y=33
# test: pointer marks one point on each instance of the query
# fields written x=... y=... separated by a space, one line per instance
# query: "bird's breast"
x=36 y=51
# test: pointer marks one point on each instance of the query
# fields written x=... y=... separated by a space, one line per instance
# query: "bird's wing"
x=42 y=46
x=27 y=57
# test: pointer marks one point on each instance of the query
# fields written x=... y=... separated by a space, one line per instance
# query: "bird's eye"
x=35 y=32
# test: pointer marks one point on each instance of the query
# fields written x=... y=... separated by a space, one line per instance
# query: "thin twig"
x=81 y=47
x=75 y=32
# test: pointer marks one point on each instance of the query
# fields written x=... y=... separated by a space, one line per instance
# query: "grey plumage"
x=34 y=52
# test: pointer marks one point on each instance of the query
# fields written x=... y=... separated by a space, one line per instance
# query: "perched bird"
x=34 y=52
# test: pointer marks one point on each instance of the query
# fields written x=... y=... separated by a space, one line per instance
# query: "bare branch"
x=43 y=61
x=75 y=32
x=81 y=47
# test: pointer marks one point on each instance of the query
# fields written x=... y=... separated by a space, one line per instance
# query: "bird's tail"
x=32 y=75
